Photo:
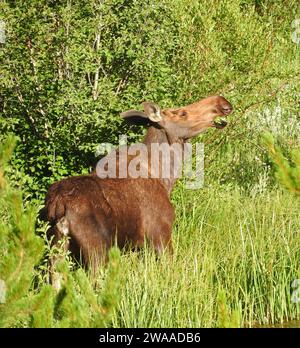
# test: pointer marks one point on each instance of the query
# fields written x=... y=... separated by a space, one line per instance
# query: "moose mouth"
x=220 y=123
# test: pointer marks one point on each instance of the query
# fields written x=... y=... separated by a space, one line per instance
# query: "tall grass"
x=234 y=262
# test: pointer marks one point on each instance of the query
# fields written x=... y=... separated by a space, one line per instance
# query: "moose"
x=95 y=213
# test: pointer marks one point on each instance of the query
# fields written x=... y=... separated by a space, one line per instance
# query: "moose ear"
x=133 y=113
x=135 y=117
x=152 y=111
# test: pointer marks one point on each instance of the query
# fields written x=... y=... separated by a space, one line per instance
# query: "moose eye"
x=182 y=113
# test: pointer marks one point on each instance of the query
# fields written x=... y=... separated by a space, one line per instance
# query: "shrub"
x=25 y=302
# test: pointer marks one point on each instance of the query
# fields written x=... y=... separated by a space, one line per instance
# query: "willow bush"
x=68 y=68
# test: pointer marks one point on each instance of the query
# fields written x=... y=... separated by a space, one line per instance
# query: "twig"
x=30 y=119
x=123 y=81
x=38 y=86
x=95 y=87
x=233 y=124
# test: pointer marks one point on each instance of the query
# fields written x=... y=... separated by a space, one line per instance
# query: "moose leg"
x=94 y=256
x=161 y=239
x=91 y=241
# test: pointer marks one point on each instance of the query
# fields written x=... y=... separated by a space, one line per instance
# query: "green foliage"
x=21 y=249
x=6 y=150
x=38 y=305
x=79 y=305
x=225 y=318
x=287 y=173
x=235 y=259
x=69 y=68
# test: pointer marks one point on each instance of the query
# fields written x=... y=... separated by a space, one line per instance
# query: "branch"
x=38 y=86
x=95 y=87
x=29 y=118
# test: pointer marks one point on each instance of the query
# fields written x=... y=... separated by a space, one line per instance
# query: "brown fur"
x=95 y=213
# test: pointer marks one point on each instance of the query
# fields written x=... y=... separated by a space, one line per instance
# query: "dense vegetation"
x=68 y=68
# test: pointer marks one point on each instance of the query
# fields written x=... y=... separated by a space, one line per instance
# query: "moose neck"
x=156 y=135
x=160 y=136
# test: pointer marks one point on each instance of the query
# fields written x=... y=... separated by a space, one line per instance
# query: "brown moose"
x=96 y=212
